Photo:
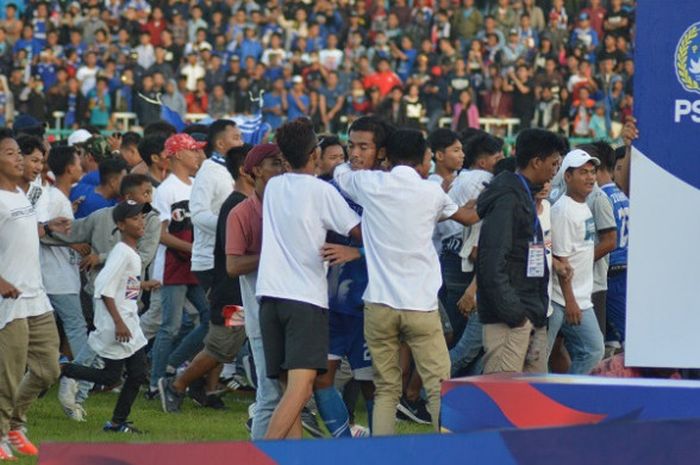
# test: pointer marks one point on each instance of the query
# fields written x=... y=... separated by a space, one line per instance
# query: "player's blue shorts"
x=616 y=303
x=347 y=339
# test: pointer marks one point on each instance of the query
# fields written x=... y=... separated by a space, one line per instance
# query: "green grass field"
x=48 y=423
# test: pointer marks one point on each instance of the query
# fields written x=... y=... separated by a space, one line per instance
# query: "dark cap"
x=28 y=125
x=129 y=209
x=257 y=154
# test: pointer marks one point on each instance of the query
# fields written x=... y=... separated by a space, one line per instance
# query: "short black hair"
x=60 y=157
x=151 y=145
x=109 y=168
x=482 y=144
x=159 y=127
x=216 y=129
x=235 y=158
x=442 y=138
x=131 y=182
x=377 y=126
x=6 y=133
x=468 y=133
x=28 y=144
x=329 y=140
x=130 y=138
x=537 y=143
x=296 y=139
x=603 y=152
x=620 y=153
x=406 y=147
x=506 y=164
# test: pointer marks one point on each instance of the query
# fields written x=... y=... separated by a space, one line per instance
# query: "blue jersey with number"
x=621 y=209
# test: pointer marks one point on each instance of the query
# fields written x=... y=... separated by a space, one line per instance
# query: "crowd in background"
x=564 y=65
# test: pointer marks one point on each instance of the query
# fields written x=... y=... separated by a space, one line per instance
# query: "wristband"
x=47 y=230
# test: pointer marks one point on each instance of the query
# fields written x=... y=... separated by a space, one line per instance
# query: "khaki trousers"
x=28 y=365
x=385 y=329
x=520 y=350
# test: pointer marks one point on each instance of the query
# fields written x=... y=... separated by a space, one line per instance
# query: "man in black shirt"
x=223 y=340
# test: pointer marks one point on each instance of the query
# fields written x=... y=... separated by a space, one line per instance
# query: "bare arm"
x=572 y=310
x=237 y=265
x=465 y=215
x=607 y=241
x=121 y=332
x=173 y=242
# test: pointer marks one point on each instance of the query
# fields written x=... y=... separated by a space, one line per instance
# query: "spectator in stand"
x=384 y=78
x=498 y=102
x=298 y=103
x=198 y=100
x=436 y=97
x=465 y=113
x=393 y=108
x=466 y=22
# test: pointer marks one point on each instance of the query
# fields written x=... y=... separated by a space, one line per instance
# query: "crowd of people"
x=308 y=268
x=565 y=65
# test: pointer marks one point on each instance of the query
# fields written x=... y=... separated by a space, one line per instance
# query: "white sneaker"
x=359 y=431
x=5 y=450
x=67 y=390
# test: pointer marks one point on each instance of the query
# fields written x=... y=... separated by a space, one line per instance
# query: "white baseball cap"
x=78 y=137
x=576 y=159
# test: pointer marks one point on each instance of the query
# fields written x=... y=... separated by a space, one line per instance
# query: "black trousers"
x=111 y=374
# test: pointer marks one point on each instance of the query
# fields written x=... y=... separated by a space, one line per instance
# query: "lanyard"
x=216 y=158
x=536 y=222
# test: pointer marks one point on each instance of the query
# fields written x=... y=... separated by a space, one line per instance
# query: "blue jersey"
x=621 y=209
x=347 y=282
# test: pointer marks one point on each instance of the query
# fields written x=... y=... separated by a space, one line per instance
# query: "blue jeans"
x=267 y=394
x=173 y=301
x=454 y=283
x=467 y=351
x=86 y=357
x=584 y=342
x=70 y=312
x=616 y=305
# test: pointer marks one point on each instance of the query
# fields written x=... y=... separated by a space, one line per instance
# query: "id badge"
x=535 y=260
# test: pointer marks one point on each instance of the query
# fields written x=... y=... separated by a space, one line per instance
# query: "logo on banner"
x=687 y=63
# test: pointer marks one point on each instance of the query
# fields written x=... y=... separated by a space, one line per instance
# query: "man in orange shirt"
x=384 y=78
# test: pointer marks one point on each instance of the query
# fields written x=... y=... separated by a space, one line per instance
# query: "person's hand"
x=121 y=332
x=337 y=254
x=467 y=303
x=573 y=314
x=83 y=249
x=89 y=262
x=8 y=291
x=563 y=269
x=630 y=131
x=115 y=142
x=60 y=225
x=150 y=285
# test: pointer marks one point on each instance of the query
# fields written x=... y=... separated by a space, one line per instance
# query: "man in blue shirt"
x=617 y=271
x=275 y=104
x=297 y=100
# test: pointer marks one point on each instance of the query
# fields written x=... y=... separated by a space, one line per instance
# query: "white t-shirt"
x=436 y=237
x=545 y=218
x=170 y=191
x=467 y=186
x=298 y=211
x=19 y=258
x=212 y=186
x=59 y=265
x=573 y=233
x=120 y=279
x=398 y=220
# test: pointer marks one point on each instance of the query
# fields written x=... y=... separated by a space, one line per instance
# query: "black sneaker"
x=126 y=427
x=198 y=393
x=414 y=410
x=249 y=425
x=151 y=394
x=214 y=402
x=310 y=424
x=170 y=399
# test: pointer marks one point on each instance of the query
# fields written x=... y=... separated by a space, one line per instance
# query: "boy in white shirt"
x=573 y=234
x=118 y=338
x=401 y=302
x=298 y=211
x=28 y=337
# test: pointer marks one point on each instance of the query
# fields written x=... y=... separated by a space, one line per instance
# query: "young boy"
x=404 y=275
x=298 y=211
x=573 y=233
x=118 y=338
x=152 y=151
x=97 y=229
